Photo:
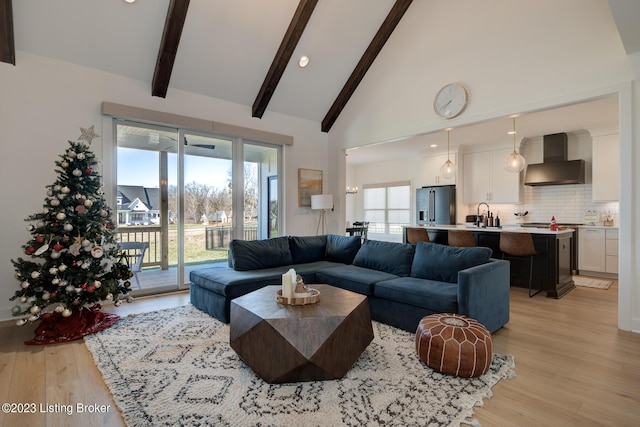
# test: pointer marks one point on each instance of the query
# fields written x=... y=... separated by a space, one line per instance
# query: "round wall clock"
x=450 y=101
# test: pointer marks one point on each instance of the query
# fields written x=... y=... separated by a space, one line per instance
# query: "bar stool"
x=520 y=246
x=415 y=235
x=461 y=238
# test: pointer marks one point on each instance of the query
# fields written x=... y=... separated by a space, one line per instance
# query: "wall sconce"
x=352 y=190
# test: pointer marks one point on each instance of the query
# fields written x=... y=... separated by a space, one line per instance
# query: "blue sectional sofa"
x=403 y=282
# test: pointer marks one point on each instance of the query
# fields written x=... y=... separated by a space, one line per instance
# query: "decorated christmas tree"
x=73 y=257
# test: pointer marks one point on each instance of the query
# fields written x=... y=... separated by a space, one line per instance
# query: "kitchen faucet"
x=478 y=220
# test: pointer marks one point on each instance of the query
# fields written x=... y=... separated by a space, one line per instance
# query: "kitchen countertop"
x=610 y=227
x=505 y=228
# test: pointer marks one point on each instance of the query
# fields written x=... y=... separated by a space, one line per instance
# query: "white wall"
x=515 y=57
x=42 y=106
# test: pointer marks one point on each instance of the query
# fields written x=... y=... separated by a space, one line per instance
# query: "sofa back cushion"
x=439 y=262
x=341 y=248
x=307 y=248
x=393 y=258
x=257 y=254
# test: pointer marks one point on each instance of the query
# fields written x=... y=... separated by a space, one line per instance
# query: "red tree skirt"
x=55 y=328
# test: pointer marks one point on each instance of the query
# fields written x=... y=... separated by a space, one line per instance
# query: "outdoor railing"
x=219 y=237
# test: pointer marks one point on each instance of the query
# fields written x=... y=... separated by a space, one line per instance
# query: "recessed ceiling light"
x=433 y=145
x=304 y=61
x=129 y=1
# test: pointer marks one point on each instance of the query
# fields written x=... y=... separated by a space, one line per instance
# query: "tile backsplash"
x=568 y=203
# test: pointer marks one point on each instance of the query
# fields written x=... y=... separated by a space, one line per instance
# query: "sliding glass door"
x=188 y=195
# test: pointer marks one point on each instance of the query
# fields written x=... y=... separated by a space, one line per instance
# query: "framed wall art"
x=309 y=184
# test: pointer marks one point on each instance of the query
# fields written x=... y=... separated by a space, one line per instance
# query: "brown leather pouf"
x=454 y=344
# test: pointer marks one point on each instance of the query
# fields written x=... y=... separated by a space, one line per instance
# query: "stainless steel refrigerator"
x=436 y=205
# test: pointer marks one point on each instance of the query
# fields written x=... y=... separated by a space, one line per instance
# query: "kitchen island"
x=552 y=266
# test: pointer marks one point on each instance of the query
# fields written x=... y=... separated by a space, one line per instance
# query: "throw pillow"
x=439 y=262
x=342 y=248
x=307 y=248
x=393 y=258
x=258 y=254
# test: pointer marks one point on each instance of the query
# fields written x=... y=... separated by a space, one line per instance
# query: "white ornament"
x=78 y=290
x=21 y=322
x=70 y=289
x=46 y=296
x=22 y=299
x=25 y=285
x=66 y=312
x=16 y=309
x=59 y=308
x=72 y=154
x=57 y=187
x=31 y=299
x=61 y=196
x=60 y=216
x=64 y=164
x=62 y=267
x=81 y=156
x=55 y=254
x=55 y=202
x=88 y=203
x=35 y=274
x=40 y=224
x=103 y=213
x=53 y=270
x=65 y=190
x=77 y=172
x=85 y=265
x=97 y=252
x=67 y=227
x=49 y=192
x=97 y=283
x=55 y=281
x=85 y=243
x=33 y=317
x=34 y=309
x=109 y=297
x=30 y=227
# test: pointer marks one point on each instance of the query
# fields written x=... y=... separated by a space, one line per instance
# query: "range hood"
x=555 y=169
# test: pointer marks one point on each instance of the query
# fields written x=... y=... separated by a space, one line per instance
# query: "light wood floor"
x=573 y=367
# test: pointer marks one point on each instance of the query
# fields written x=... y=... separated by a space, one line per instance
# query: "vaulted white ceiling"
x=227 y=47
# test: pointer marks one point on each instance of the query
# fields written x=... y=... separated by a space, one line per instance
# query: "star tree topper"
x=87 y=135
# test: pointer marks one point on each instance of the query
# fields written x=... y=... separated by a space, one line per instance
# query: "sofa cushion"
x=341 y=248
x=435 y=296
x=306 y=249
x=258 y=254
x=352 y=278
x=442 y=263
x=393 y=258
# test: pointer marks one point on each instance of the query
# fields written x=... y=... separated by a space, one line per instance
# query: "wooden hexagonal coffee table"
x=285 y=343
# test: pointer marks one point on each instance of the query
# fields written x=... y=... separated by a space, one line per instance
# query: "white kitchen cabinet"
x=591 y=249
x=606 y=168
x=485 y=179
x=598 y=250
x=611 y=251
x=431 y=171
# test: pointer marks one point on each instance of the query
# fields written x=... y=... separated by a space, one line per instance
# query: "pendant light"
x=514 y=162
x=448 y=169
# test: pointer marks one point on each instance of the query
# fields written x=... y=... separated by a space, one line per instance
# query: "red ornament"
x=91 y=289
x=40 y=238
x=53 y=294
x=83 y=286
x=55 y=224
x=29 y=250
x=58 y=247
x=74 y=264
x=87 y=171
x=109 y=225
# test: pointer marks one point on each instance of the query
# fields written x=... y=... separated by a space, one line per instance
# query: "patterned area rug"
x=175 y=367
x=590 y=282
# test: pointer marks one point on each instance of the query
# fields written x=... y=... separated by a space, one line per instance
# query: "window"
x=387 y=207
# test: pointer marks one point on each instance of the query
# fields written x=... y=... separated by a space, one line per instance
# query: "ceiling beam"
x=384 y=32
x=282 y=57
x=7 y=46
x=173 y=25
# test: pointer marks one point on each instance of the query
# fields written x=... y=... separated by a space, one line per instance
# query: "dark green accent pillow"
x=341 y=248
x=258 y=254
x=439 y=262
x=307 y=248
x=392 y=258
